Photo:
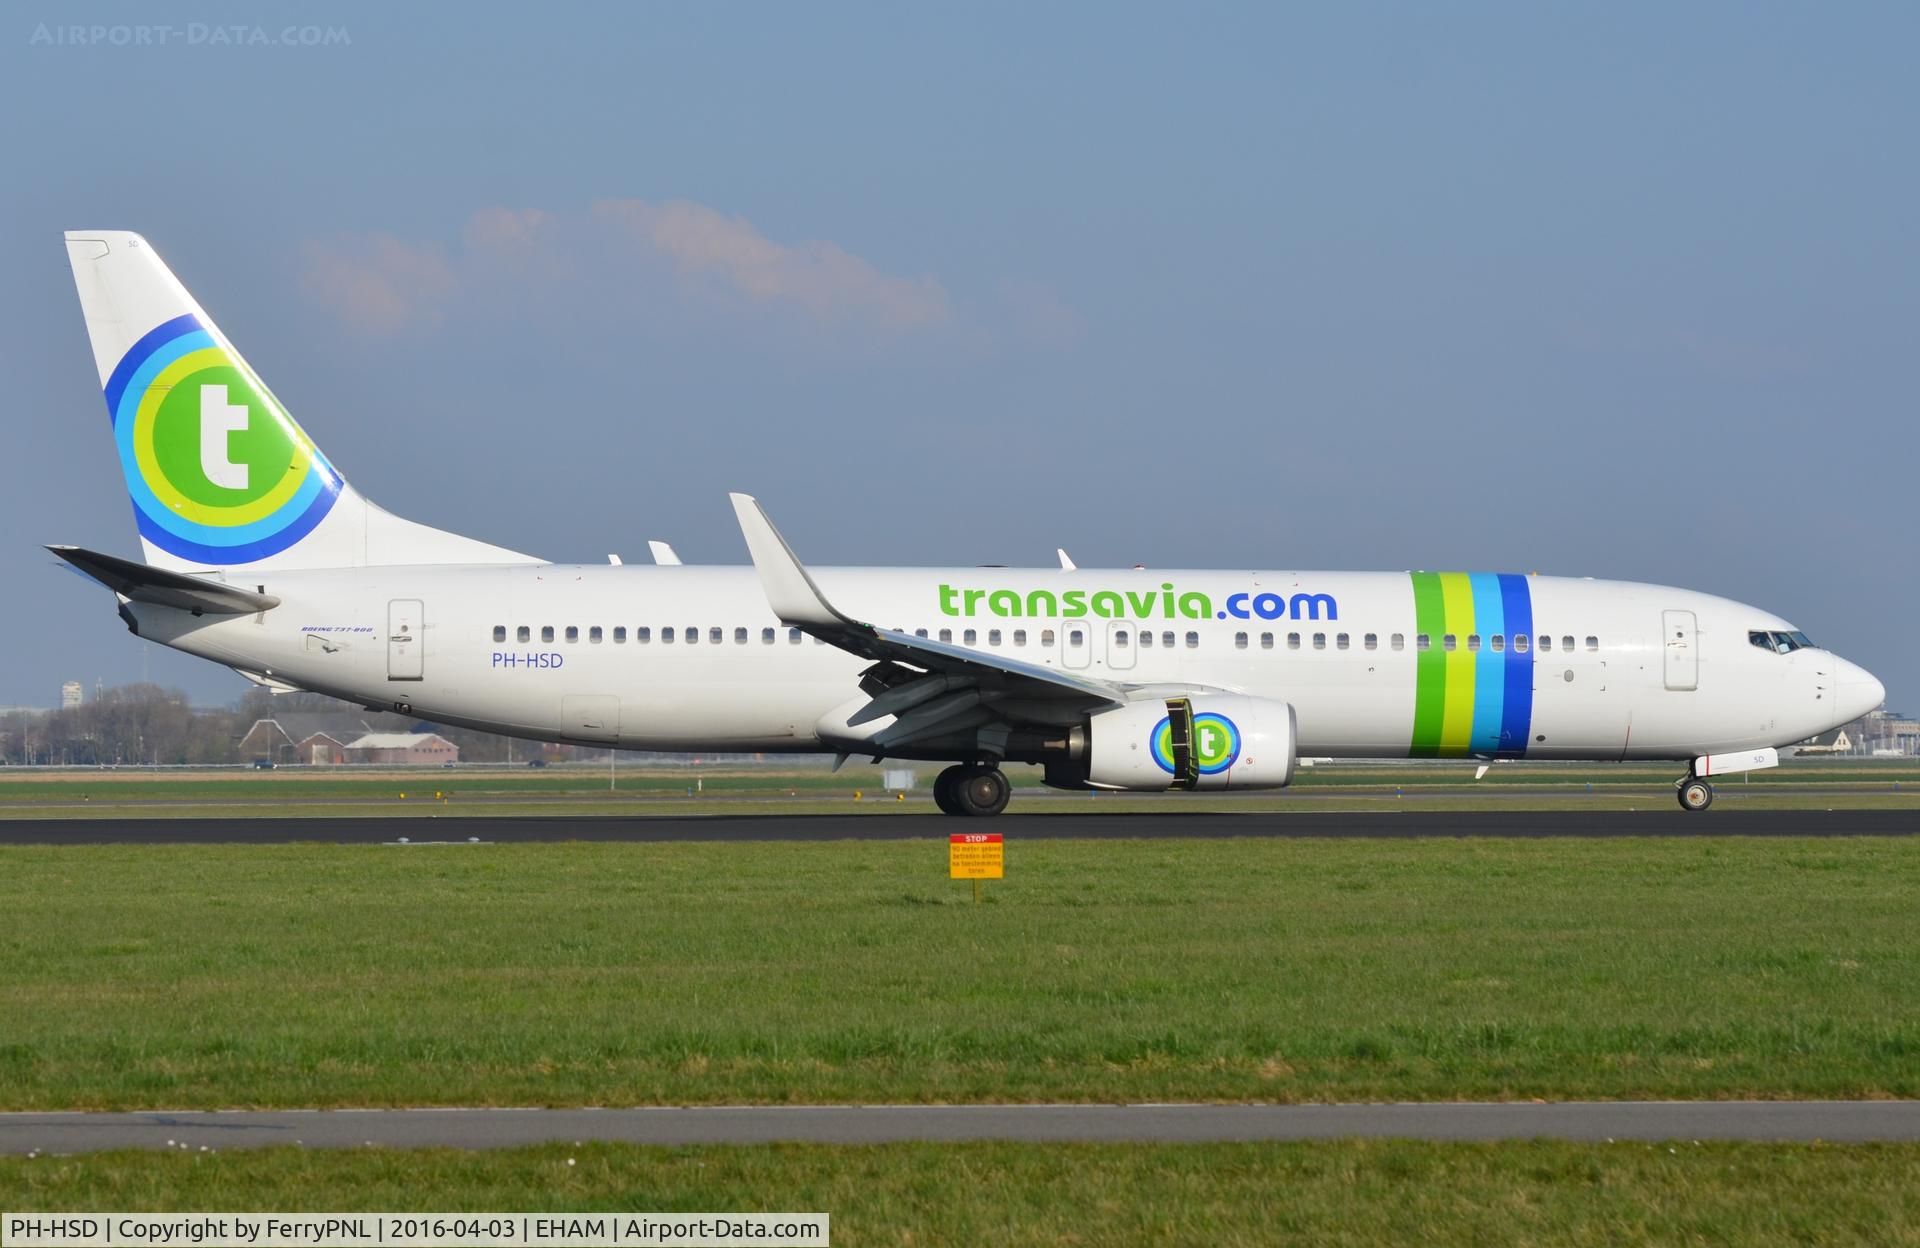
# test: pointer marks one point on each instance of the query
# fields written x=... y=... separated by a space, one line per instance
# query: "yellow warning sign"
x=975 y=856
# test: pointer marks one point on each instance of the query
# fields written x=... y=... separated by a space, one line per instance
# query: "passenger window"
x=546 y=632
x=692 y=635
x=666 y=635
x=1399 y=641
x=1076 y=637
x=1519 y=643
x=1447 y=642
x=1166 y=640
x=594 y=635
x=573 y=633
x=993 y=636
x=1499 y=642
x=739 y=636
x=1146 y=639
x=1319 y=641
x=716 y=635
x=1193 y=641
x=1239 y=641
x=920 y=633
x=766 y=636
x=1566 y=643
x=1593 y=643
x=523 y=633
x=499 y=633
x=1293 y=641
x=793 y=636
x=619 y=634
x=1046 y=636
x=969 y=637
x=1423 y=642
x=1372 y=641
x=1019 y=636
x=1119 y=639
x=642 y=635
x=1546 y=642
x=1340 y=641
x=1473 y=641
x=946 y=634
x=1266 y=641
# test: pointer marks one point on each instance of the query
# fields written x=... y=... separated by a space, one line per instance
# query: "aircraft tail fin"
x=219 y=473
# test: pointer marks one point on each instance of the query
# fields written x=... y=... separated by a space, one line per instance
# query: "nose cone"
x=1856 y=691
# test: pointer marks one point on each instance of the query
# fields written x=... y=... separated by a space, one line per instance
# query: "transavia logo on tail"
x=1165 y=603
x=218 y=471
x=1216 y=744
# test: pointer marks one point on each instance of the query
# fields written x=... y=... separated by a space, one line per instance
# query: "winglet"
x=1066 y=564
x=790 y=591
x=663 y=554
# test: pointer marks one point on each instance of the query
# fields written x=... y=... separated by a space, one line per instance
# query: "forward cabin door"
x=406 y=643
x=1681 y=644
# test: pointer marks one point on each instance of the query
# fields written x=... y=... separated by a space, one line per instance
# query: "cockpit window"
x=1779 y=643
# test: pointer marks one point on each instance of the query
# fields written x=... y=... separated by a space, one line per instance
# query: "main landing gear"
x=1695 y=793
x=971 y=789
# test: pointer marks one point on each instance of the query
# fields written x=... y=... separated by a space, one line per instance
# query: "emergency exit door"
x=406 y=646
x=1681 y=644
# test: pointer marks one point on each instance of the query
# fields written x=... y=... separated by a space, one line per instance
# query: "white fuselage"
x=691 y=658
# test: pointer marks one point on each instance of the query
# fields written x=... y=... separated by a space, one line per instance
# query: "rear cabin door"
x=1681 y=644
x=406 y=644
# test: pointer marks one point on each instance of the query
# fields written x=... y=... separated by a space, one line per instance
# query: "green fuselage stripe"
x=1430 y=687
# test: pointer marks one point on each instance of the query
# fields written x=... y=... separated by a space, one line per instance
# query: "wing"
x=932 y=690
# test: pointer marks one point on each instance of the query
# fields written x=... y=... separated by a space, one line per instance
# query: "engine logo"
x=1216 y=743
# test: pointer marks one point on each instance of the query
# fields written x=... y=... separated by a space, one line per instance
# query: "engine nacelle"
x=1205 y=741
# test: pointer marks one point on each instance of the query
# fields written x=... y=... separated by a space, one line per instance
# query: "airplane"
x=259 y=554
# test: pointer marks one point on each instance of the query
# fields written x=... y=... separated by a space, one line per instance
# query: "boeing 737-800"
x=259 y=555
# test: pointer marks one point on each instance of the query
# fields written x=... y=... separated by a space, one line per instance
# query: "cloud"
x=820 y=277
x=652 y=263
x=1036 y=314
x=378 y=283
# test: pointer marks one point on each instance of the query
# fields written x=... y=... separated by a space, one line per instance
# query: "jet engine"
x=1201 y=741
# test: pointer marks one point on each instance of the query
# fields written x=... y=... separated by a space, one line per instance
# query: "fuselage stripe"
x=1490 y=677
x=1430 y=681
x=1516 y=716
x=1456 y=726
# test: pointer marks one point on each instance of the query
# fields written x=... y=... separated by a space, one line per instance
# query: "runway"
x=1588 y=1121
x=461 y=829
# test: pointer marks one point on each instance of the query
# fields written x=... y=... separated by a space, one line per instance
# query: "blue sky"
x=1628 y=291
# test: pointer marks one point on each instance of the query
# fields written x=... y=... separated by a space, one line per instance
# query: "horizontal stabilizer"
x=141 y=582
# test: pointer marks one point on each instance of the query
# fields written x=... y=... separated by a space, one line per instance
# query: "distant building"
x=1834 y=742
x=1880 y=734
x=418 y=749
x=71 y=695
x=311 y=737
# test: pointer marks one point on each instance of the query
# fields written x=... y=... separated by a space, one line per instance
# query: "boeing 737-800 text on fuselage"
x=259 y=555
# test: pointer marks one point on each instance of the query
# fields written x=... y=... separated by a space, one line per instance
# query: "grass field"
x=1343 y=1193
x=690 y=973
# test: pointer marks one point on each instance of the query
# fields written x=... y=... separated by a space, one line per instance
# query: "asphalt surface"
x=427 y=829
x=1840 y=1121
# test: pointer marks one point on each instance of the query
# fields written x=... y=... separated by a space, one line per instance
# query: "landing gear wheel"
x=1695 y=794
x=943 y=790
x=979 y=791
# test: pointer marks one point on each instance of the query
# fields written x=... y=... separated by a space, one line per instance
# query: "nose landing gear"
x=972 y=790
x=1695 y=793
